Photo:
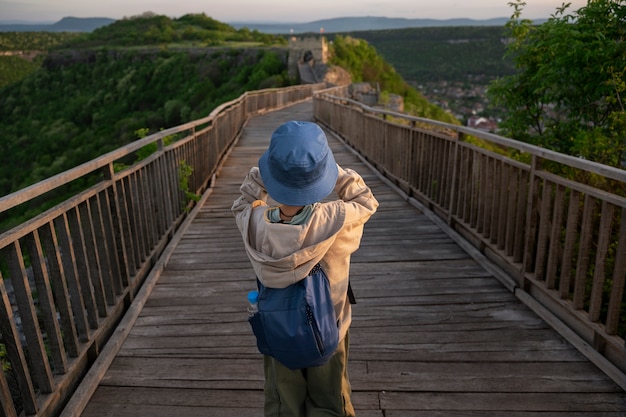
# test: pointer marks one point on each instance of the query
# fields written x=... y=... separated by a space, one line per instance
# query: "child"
x=285 y=241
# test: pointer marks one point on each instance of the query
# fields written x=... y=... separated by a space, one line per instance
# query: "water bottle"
x=253 y=299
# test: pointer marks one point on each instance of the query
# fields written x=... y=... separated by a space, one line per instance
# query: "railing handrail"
x=560 y=242
x=572 y=161
x=89 y=255
x=70 y=273
x=35 y=190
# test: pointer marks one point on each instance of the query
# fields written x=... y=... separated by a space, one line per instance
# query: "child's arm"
x=252 y=192
x=359 y=199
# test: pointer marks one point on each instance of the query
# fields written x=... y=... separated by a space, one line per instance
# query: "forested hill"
x=99 y=91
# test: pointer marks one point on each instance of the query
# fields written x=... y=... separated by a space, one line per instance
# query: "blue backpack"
x=297 y=325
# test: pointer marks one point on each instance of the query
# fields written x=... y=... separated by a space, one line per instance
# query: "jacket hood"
x=282 y=254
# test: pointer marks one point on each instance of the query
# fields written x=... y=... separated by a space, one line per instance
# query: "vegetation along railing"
x=552 y=224
x=71 y=272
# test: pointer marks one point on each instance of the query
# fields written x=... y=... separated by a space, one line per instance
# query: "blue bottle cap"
x=253 y=297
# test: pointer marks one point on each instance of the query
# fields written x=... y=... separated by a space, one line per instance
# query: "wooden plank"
x=619 y=276
x=472 y=352
x=60 y=288
x=496 y=404
x=40 y=368
x=70 y=271
x=599 y=273
x=367 y=375
x=91 y=263
x=555 y=237
x=102 y=249
x=584 y=249
x=545 y=218
x=512 y=191
x=569 y=244
x=498 y=413
x=6 y=401
x=167 y=402
x=80 y=261
x=521 y=216
x=16 y=354
x=46 y=303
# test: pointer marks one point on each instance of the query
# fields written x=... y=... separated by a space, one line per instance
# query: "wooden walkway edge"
x=434 y=332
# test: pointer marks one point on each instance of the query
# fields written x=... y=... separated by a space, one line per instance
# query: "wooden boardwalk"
x=434 y=334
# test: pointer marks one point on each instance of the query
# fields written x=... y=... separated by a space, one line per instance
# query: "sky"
x=275 y=10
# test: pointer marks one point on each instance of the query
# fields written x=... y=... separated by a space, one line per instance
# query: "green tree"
x=567 y=93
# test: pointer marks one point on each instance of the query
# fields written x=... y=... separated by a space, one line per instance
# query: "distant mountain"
x=336 y=25
x=353 y=24
x=67 y=24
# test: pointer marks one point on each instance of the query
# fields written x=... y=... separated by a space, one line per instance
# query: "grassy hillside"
x=21 y=53
x=34 y=41
x=190 y=30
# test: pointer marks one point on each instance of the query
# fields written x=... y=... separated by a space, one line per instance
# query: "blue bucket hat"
x=298 y=168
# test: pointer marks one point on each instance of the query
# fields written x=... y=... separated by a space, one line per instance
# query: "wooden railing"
x=555 y=225
x=71 y=272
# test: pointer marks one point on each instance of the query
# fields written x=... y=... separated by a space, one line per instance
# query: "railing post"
x=453 y=180
x=38 y=359
x=116 y=219
x=19 y=365
x=47 y=310
x=530 y=223
x=6 y=401
x=619 y=278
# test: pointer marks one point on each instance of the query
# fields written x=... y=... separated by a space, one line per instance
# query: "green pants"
x=311 y=392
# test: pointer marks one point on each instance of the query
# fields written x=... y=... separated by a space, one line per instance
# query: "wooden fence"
x=554 y=223
x=71 y=272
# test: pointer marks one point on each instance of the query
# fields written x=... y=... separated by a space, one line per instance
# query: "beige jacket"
x=282 y=254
